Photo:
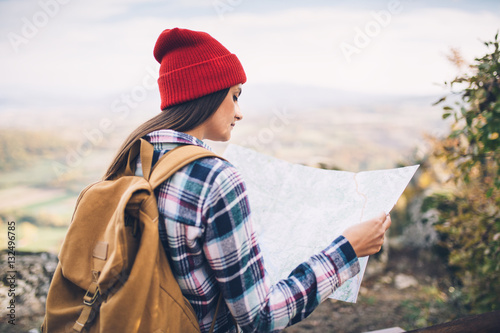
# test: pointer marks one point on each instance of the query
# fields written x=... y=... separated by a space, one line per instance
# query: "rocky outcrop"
x=25 y=279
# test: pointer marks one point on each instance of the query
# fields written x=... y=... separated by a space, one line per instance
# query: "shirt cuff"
x=343 y=258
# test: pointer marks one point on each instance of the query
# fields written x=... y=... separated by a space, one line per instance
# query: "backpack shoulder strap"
x=170 y=163
x=146 y=150
x=174 y=160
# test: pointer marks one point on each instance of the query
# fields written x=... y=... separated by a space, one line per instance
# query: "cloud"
x=406 y=57
x=94 y=49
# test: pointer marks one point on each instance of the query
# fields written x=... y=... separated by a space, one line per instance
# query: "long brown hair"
x=182 y=117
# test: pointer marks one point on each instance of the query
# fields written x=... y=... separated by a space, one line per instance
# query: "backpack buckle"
x=92 y=294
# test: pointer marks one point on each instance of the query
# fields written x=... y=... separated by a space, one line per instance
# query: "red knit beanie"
x=193 y=64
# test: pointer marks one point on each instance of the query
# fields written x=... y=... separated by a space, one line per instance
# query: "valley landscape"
x=46 y=163
x=48 y=158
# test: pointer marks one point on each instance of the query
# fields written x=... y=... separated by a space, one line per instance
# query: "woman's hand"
x=366 y=238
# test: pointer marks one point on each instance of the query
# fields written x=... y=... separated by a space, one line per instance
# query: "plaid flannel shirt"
x=206 y=230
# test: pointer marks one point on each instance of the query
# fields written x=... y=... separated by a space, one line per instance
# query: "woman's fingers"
x=367 y=237
x=387 y=221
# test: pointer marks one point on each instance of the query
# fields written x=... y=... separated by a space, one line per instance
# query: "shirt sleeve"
x=233 y=253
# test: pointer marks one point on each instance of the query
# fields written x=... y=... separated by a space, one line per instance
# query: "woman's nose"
x=238 y=115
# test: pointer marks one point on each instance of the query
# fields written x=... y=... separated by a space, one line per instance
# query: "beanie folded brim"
x=200 y=79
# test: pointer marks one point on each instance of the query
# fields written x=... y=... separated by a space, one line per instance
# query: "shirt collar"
x=167 y=136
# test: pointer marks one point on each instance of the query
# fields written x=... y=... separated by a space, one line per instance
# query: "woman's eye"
x=235 y=98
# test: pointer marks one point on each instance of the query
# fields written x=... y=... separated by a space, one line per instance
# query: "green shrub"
x=469 y=219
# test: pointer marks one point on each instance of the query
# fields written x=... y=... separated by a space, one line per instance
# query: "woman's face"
x=219 y=126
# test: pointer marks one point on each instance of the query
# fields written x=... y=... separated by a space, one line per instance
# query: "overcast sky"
x=75 y=51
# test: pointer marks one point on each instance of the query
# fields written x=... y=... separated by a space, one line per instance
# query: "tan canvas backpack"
x=113 y=274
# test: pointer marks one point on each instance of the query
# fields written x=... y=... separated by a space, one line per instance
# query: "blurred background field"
x=38 y=188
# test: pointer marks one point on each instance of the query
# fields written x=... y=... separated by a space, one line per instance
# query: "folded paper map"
x=297 y=210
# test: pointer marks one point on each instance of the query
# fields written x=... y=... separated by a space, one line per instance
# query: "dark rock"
x=31 y=274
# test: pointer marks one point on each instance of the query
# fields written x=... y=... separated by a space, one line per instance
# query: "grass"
x=38 y=173
x=432 y=306
x=58 y=210
x=32 y=238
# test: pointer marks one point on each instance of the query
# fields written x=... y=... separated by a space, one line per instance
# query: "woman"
x=206 y=228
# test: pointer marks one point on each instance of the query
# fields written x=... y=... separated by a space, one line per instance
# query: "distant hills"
x=262 y=96
x=304 y=124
